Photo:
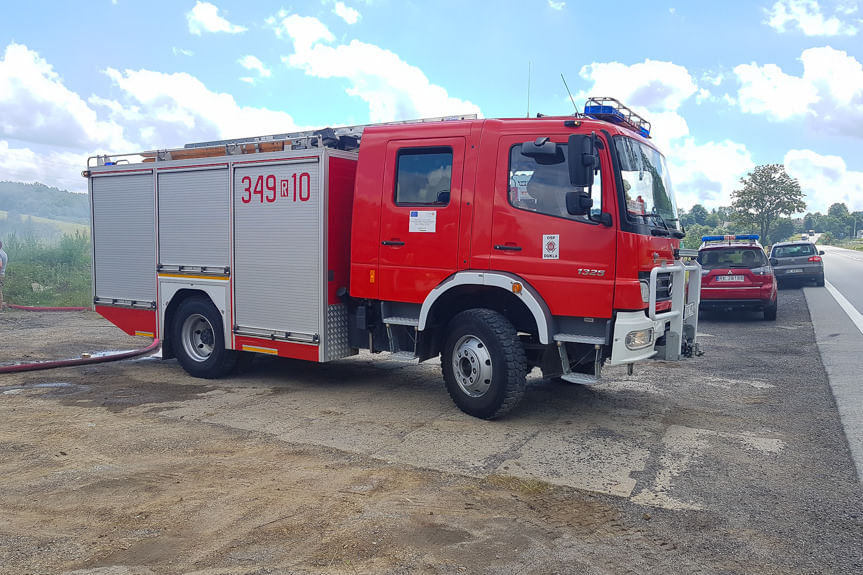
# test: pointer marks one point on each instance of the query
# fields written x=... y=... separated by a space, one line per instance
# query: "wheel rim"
x=471 y=366
x=198 y=337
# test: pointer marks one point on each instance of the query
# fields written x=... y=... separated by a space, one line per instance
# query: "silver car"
x=797 y=262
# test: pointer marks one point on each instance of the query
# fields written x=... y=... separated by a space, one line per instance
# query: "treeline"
x=37 y=199
x=838 y=224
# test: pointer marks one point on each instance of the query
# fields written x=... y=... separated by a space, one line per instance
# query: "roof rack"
x=611 y=110
x=341 y=138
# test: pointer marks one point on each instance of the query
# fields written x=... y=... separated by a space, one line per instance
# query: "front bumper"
x=673 y=330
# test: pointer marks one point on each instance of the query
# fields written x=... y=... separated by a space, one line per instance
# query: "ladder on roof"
x=342 y=137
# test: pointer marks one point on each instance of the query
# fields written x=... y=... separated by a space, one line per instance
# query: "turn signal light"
x=815 y=259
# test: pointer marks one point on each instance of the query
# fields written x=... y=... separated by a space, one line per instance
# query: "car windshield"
x=793 y=251
x=646 y=183
x=732 y=258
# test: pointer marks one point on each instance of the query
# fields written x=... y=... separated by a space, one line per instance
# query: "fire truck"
x=498 y=245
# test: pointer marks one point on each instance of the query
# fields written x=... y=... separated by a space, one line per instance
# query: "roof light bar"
x=611 y=110
x=753 y=237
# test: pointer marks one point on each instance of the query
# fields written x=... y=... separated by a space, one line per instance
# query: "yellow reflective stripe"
x=144 y=333
x=260 y=349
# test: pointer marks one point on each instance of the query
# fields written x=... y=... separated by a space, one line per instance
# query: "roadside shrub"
x=43 y=273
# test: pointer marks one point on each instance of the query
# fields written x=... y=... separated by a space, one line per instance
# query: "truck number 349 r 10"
x=267 y=188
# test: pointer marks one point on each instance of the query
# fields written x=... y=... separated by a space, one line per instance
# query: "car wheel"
x=199 y=340
x=484 y=364
x=770 y=312
x=819 y=281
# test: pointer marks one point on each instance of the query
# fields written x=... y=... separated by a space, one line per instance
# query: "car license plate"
x=689 y=310
x=795 y=271
x=729 y=278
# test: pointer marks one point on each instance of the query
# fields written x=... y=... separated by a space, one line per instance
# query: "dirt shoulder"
x=133 y=467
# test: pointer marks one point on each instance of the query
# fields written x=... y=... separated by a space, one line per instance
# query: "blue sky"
x=727 y=85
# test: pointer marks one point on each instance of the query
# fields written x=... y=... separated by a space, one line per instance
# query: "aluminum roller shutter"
x=194 y=217
x=278 y=251
x=124 y=237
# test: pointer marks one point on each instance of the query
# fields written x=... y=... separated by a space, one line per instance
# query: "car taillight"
x=815 y=259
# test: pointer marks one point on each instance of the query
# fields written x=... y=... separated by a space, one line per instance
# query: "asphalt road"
x=844 y=270
x=837 y=317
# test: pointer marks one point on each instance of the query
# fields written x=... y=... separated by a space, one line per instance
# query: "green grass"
x=43 y=273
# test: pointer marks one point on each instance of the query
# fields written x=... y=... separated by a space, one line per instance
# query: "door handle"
x=508 y=248
x=392 y=243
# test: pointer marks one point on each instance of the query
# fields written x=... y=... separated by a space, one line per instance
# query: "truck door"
x=419 y=216
x=569 y=259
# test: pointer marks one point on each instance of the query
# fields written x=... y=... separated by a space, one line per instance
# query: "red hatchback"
x=735 y=274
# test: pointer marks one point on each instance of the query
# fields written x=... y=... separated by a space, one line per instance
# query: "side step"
x=577 y=377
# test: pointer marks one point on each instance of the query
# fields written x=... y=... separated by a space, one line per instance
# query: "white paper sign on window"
x=423 y=221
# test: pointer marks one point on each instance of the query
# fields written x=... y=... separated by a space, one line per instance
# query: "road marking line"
x=853 y=314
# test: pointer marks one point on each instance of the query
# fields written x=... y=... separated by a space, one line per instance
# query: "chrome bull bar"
x=682 y=318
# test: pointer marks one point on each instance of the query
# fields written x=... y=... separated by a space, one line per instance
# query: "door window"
x=423 y=176
x=542 y=187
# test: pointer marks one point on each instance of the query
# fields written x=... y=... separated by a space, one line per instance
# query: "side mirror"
x=578 y=203
x=583 y=160
x=544 y=151
x=773 y=262
x=820 y=252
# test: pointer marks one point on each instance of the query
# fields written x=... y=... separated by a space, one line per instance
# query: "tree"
x=768 y=193
x=699 y=214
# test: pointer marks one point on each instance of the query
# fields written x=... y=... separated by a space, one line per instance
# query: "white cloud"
x=181 y=52
x=36 y=107
x=829 y=93
x=825 y=180
x=806 y=15
x=556 y=5
x=346 y=13
x=54 y=168
x=392 y=88
x=252 y=63
x=167 y=110
x=649 y=84
x=204 y=17
x=702 y=172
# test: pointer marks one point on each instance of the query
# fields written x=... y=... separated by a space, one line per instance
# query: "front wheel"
x=199 y=340
x=484 y=364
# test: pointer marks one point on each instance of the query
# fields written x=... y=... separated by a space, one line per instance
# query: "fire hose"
x=35 y=366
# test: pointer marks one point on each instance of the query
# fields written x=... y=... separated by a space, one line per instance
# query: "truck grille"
x=664 y=284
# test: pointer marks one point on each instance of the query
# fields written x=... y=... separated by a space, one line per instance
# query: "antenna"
x=528 y=89
x=568 y=92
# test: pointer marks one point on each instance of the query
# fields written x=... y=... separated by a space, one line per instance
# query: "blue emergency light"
x=728 y=238
x=611 y=110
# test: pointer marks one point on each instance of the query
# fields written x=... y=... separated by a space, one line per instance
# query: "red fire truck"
x=499 y=245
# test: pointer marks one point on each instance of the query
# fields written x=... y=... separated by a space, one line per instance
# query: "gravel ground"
x=731 y=463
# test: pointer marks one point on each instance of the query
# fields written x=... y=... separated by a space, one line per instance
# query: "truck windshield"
x=646 y=184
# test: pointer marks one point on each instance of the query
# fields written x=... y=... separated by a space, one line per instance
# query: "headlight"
x=639 y=339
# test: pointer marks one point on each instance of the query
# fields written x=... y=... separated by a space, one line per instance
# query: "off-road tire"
x=487 y=336
x=199 y=340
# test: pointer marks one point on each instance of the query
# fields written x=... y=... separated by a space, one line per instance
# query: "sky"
x=726 y=85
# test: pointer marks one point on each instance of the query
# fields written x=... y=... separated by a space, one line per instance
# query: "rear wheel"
x=484 y=364
x=819 y=281
x=770 y=312
x=199 y=340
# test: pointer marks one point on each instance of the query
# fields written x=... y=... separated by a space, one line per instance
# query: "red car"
x=735 y=274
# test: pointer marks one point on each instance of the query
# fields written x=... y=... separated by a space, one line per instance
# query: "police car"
x=736 y=274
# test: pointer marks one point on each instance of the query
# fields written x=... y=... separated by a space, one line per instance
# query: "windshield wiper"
x=676 y=233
